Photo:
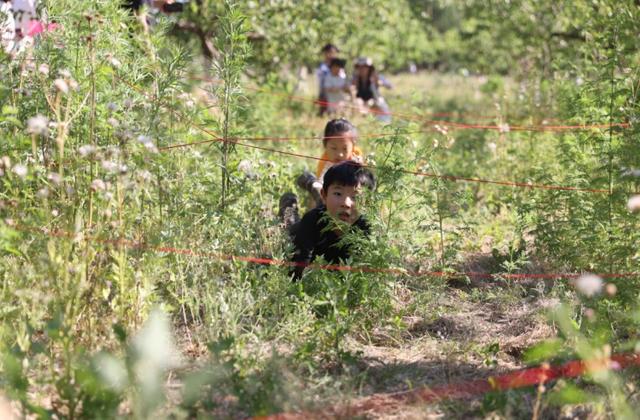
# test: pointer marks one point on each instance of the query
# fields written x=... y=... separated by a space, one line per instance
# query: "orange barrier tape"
x=425 y=395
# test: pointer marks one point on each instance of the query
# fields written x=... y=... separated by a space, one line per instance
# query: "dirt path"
x=469 y=340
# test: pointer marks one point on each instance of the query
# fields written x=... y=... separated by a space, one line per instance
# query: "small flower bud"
x=634 y=203
x=20 y=170
x=98 y=185
x=589 y=285
x=38 y=125
x=44 y=69
x=61 y=86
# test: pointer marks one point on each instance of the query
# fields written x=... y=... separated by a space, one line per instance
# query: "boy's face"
x=341 y=202
x=340 y=147
x=330 y=54
x=335 y=70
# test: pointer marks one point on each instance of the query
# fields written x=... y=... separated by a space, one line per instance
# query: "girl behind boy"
x=339 y=143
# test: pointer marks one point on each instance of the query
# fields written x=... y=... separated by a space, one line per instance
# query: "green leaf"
x=571 y=394
x=543 y=351
x=9 y=110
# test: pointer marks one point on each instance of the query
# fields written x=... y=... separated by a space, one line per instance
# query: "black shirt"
x=364 y=90
x=312 y=238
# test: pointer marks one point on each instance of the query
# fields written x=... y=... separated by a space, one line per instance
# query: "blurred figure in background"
x=20 y=22
x=7 y=26
x=154 y=7
x=367 y=83
x=335 y=86
x=24 y=12
x=329 y=52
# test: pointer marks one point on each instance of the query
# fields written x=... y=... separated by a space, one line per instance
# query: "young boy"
x=320 y=230
x=335 y=86
x=329 y=52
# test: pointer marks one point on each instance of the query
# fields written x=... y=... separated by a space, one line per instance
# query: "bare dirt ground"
x=470 y=339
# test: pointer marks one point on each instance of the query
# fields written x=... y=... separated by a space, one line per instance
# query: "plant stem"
x=440 y=226
x=610 y=156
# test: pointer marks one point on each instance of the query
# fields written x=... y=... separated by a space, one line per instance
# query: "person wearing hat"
x=366 y=82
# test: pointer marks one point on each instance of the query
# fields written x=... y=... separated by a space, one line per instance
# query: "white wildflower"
x=98 y=185
x=115 y=62
x=20 y=170
x=123 y=169
x=55 y=212
x=64 y=73
x=109 y=166
x=589 y=285
x=148 y=143
x=492 y=146
x=442 y=129
x=144 y=176
x=113 y=122
x=61 y=86
x=504 y=128
x=38 y=125
x=245 y=166
x=87 y=150
x=112 y=151
x=43 y=193
x=73 y=84
x=44 y=69
x=634 y=203
x=54 y=178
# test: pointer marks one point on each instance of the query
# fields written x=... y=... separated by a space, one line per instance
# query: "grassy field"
x=248 y=341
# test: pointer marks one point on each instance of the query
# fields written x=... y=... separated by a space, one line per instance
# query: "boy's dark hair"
x=338 y=62
x=336 y=127
x=349 y=173
x=328 y=47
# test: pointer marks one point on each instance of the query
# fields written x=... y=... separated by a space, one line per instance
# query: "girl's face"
x=363 y=71
x=335 y=70
x=340 y=146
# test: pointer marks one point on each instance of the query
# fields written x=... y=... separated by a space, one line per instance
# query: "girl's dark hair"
x=349 y=173
x=336 y=127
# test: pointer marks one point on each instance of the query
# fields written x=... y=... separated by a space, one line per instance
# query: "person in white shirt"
x=329 y=52
x=335 y=86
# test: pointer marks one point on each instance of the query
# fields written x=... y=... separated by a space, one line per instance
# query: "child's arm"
x=304 y=242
